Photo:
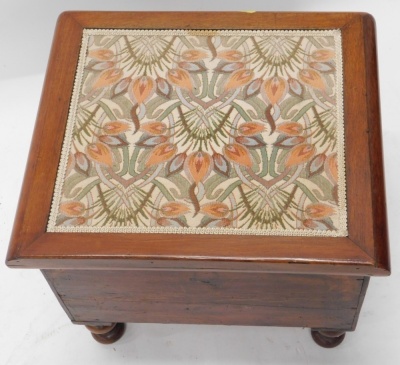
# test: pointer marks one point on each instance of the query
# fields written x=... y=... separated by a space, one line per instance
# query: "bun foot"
x=328 y=339
x=107 y=334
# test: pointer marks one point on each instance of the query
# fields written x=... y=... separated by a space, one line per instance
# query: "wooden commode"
x=220 y=168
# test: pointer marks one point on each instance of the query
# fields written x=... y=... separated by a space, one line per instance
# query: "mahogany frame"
x=365 y=250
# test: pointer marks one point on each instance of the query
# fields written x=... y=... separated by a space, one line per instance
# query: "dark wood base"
x=107 y=334
x=328 y=339
x=100 y=298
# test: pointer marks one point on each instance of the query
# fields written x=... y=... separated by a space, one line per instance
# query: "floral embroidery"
x=235 y=132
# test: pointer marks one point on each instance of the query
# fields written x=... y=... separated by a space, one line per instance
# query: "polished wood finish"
x=103 y=279
x=328 y=339
x=107 y=334
x=363 y=252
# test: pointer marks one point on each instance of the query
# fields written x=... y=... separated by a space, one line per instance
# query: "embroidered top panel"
x=222 y=132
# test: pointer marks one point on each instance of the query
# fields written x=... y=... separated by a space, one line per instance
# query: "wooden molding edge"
x=381 y=237
x=365 y=265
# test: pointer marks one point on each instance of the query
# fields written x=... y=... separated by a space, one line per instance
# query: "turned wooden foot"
x=328 y=339
x=107 y=334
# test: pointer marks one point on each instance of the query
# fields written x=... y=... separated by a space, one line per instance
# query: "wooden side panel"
x=316 y=301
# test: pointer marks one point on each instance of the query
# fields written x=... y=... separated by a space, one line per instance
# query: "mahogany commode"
x=220 y=168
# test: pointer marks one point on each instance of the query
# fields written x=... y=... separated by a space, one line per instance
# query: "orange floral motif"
x=72 y=208
x=231 y=55
x=275 y=89
x=107 y=78
x=331 y=167
x=100 y=153
x=238 y=154
x=142 y=88
x=215 y=210
x=161 y=153
x=116 y=127
x=290 y=128
x=174 y=209
x=300 y=154
x=239 y=78
x=180 y=78
x=319 y=211
x=103 y=54
x=194 y=55
x=155 y=128
x=251 y=128
x=323 y=55
x=312 y=78
x=199 y=165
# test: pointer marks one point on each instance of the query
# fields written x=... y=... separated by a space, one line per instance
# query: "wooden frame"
x=363 y=252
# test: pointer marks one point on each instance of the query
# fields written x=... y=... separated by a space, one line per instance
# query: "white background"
x=35 y=330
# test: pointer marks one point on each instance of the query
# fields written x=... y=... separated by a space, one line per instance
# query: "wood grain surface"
x=316 y=301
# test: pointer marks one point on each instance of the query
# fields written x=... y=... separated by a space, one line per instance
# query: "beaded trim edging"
x=342 y=209
x=191 y=230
